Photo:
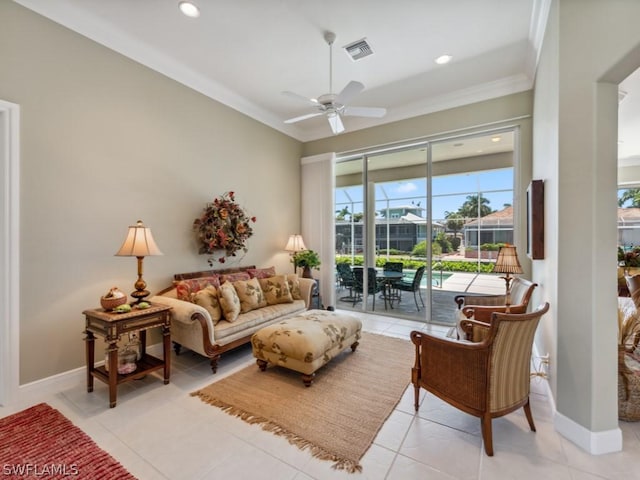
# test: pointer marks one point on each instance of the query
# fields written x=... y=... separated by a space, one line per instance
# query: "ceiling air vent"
x=358 y=49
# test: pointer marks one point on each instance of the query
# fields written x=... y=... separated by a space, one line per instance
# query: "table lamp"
x=295 y=244
x=139 y=243
x=507 y=263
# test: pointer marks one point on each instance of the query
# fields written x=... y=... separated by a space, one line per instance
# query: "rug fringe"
x=340 y=463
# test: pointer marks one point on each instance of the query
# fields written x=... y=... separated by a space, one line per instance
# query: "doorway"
x=9 y=248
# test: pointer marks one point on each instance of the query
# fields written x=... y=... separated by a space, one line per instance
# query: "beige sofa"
x=201 y=330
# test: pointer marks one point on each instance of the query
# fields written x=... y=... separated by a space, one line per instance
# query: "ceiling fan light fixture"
x=190 y=9
x=443 y=59
x=333 y=105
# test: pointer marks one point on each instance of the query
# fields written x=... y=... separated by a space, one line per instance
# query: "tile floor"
x=160 y=432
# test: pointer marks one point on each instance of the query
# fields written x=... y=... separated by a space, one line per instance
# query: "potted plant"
x=306 y=259
x=628 y=264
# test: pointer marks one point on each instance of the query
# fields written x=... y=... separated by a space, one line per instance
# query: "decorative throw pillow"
x=186 y=288
x=294 y=286
x=250 y=294
x=234 y=277
x=261 y=272
x=633 y=284
x=208 y=299
x=276 y=289
x=229 y=301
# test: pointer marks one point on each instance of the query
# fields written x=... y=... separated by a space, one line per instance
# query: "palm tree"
x=455 y=222
x=632 y=194
x=341 y=214
x=469 y=208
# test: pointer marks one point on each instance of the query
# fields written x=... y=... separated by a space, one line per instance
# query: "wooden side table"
x=111 y=326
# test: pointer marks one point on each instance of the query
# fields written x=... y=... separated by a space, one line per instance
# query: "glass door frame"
x=368 y=233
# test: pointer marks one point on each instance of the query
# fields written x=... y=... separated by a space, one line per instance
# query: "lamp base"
x=139 y=295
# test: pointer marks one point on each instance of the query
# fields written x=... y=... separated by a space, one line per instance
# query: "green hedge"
x=488 y=247
x=413 y=264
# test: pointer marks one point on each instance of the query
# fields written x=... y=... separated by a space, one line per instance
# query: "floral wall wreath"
x=223 y=225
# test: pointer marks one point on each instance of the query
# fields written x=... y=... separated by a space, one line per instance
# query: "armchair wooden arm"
x=474 y=330
x=463 y=300
x=483 y=313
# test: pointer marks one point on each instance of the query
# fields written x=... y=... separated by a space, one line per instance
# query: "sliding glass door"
x=436 y=211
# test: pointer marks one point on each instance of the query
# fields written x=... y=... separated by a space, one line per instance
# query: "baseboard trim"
x=69 y=379
x=595 y=443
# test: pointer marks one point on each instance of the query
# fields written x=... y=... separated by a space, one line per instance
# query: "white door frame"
x=9 y=251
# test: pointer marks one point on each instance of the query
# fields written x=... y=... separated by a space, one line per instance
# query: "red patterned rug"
x=40 y=442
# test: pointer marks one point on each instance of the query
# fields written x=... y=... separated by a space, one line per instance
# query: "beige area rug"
x=338 y=417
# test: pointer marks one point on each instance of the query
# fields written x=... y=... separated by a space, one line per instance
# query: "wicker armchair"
x=488 y=379
x=480 y=307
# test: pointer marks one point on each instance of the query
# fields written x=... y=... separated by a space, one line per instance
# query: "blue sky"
x=449 y=191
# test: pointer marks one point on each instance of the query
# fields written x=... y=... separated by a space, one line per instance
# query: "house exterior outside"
x=628 y=227
x=401 y=229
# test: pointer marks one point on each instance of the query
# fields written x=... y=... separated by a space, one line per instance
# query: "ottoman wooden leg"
x=262 y=365
x=354 y=346
x=308 y=379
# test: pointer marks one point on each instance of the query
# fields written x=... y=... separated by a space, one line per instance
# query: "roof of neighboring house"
x=411 y=218
x=627 y=215
x=500 y=218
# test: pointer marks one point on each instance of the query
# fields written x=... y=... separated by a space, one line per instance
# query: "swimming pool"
x=437 y=278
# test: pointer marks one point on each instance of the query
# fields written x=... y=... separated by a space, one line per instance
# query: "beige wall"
x=105 y=142
x=575 y=125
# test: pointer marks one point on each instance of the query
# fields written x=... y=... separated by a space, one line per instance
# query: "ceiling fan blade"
x=303 y=117
x=300 y=98
x=336 y=124
x=352 y=89
x=377 y=112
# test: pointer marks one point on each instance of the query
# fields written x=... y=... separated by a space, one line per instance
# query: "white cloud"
x=407 y=187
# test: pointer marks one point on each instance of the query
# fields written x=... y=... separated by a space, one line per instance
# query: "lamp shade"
x=139 y=242
x=507 y=261
x=295 y=244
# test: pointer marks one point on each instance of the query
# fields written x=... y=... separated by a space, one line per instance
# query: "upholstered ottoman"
x=306 y=342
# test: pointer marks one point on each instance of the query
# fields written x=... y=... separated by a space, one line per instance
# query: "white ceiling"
x=245 y=53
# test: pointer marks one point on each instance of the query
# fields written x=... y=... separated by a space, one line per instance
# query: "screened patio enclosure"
x=445 y=205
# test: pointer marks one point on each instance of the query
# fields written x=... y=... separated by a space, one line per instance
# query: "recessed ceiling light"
x=190 y=9
x=495 y=139
x=442 y=59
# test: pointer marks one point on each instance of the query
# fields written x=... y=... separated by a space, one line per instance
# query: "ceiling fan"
x=332 y=105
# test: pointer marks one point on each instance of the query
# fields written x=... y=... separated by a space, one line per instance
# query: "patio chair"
x=412 y=286
x=488 y=379
x=393 y=293
x=373 y=285
x=345 y=280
